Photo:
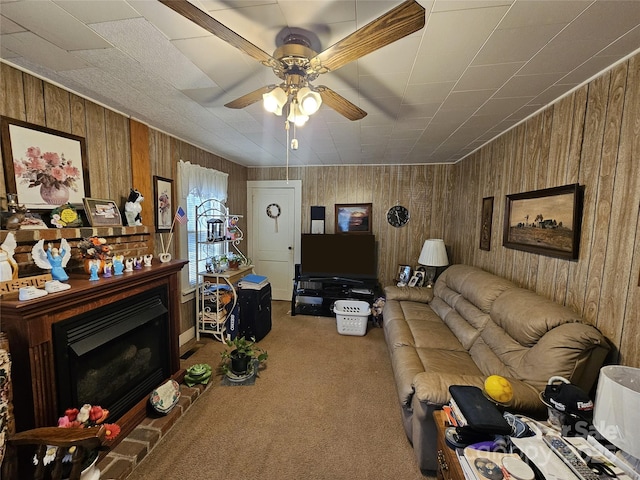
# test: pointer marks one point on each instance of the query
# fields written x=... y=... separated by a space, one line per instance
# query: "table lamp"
x=616 y=413
x=433 y=254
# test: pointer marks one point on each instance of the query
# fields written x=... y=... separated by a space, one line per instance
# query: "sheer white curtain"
x=196 y=184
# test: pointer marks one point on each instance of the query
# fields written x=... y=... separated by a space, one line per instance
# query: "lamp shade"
x=274 y=100
x=309 y=101
x=434 y=253
x=616 y=413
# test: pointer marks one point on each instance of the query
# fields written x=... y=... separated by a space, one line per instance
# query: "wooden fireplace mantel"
x=28 y=328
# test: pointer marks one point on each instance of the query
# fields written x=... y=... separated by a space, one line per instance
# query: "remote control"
x=577 y=466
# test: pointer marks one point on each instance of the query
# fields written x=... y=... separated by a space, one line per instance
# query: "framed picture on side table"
x=404 y=275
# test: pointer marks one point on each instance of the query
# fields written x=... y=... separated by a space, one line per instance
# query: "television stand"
x=314 y=295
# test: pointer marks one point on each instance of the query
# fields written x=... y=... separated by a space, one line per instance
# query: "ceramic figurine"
x=118 y=265
x=128 y=263
x=133 y=208
x=8 y=266
x=106 y=272
x=52 y=259
x=137 y=263
x=147 y=260
x=95 y=265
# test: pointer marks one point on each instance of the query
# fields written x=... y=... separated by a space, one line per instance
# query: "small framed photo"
x=404 y=275
x=102 y=213
x=417 y=280
x=163 y=201
x=353 y=218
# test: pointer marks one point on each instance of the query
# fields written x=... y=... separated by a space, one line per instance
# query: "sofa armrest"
x=433 y=388
x=410 y=294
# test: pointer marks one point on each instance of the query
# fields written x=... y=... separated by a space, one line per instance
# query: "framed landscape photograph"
x=545 y=221
x=486 y=220
x=353 y=218
x=162 y=198
x=46 y=168
x=102 y=213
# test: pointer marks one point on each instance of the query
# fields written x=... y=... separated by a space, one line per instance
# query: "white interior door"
x=274 y=218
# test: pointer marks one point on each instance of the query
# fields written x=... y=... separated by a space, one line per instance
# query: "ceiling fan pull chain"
x=286 y=127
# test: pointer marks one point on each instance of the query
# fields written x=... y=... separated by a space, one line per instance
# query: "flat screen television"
x=348 y=256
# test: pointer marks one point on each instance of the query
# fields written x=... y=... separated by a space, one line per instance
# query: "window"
x=195 y=185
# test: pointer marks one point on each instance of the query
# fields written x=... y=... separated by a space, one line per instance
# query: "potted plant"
x=240 y=355
x=234 y=261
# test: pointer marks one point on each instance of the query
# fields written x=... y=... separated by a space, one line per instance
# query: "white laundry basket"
x=352 y=316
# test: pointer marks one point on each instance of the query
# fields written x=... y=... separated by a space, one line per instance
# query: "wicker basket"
x=352 y=316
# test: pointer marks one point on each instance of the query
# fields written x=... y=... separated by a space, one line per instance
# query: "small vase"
x=54 y=195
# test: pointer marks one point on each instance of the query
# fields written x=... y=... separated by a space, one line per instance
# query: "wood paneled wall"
x=591 y=137
x=423 y=189
x=108 y=139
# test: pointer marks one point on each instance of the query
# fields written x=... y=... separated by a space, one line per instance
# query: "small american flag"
x=181 y=216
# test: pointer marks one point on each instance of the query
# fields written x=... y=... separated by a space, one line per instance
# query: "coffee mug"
x=165 y=257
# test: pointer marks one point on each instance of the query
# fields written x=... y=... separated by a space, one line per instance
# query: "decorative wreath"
x=271 y=215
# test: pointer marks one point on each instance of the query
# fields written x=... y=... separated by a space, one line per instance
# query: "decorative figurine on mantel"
x=133 y=208
x=8 y=266
x=95 y=266
x=128 y=263
x=118 y=264
x=53 y=259
x=147 y=260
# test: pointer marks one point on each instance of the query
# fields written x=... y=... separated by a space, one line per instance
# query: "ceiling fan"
x=297 y=64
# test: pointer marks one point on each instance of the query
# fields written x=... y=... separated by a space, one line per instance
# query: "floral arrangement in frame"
x=46 y=168
x=546 y=222
x=353 y=218
x=163 y=195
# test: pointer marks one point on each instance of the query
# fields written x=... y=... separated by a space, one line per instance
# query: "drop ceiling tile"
x=98 y=10
x=139 y=39
x=624 y=45
x=421 y=93
x=388 y=85
x=40 y=51
x=469 y=100
x=52 y=23
x=7 y=26
x=592 y=67
x=483 y=77
x=502 y=106
x=527 y=85
x=525 y=13
x=515 y=44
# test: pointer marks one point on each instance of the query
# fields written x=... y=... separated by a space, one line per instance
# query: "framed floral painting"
x=45 y=167
x=163 y=201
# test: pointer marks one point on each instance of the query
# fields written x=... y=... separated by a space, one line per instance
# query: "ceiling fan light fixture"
x=309 y=101
x=295 y=114
x=275 y=100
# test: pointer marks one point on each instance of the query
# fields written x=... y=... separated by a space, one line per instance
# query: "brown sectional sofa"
x=473 y=324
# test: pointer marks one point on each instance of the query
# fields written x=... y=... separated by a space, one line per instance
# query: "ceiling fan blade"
x=403 y=20
x=249 y=98
x=340 y=104
x=202 y=19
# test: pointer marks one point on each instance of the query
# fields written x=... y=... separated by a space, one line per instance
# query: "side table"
x=448 y=465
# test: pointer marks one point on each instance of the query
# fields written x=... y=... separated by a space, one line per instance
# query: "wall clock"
x=398 y=216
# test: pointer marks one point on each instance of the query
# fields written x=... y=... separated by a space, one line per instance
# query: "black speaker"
x=255 y=312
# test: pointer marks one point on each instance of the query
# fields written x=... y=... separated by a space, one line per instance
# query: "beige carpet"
x=325 y=407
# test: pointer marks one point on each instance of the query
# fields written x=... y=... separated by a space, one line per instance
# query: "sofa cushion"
x=527 y=317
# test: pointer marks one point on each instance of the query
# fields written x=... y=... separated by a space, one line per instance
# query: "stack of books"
x=253 y=282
